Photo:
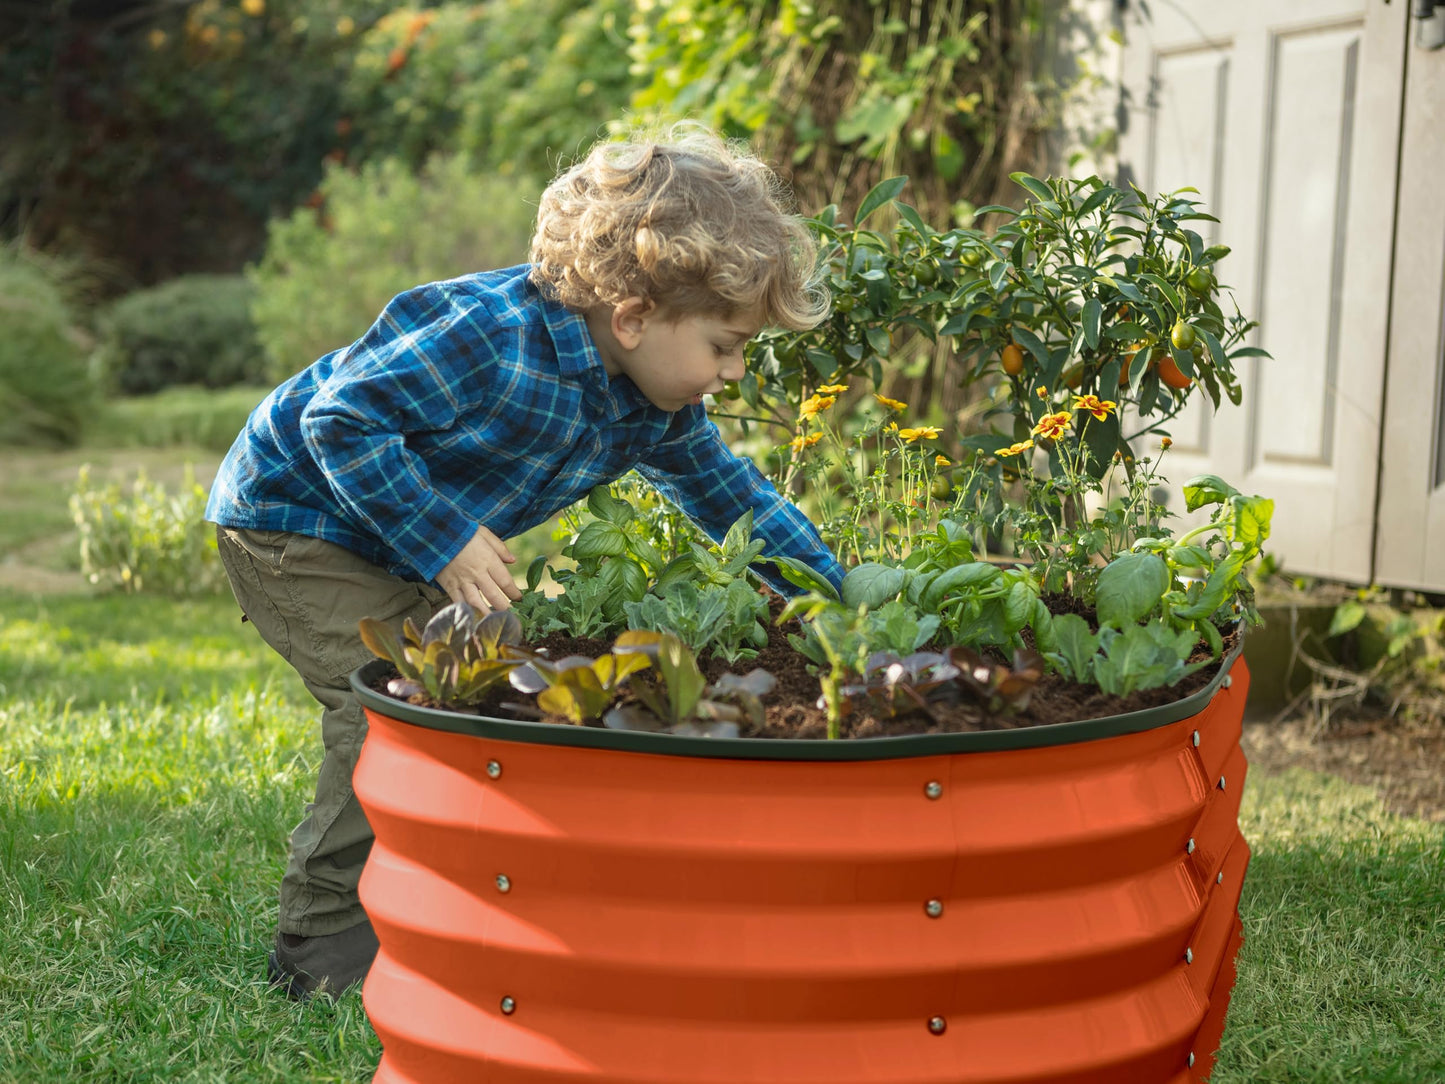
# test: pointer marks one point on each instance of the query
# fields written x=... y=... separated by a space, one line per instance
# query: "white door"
x=1285 y=114
x=1410 y=550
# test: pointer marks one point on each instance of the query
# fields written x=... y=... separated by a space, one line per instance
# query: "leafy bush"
x=195 y=329
x=177 y=417
x=326 y=276
x=151 y=540
x=45 y=385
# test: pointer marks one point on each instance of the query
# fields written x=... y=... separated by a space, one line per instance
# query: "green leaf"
x=881 y=193
x=598 y=539
x=382 y=642
x=1036 y=187
x=801 y=575
x=1205 y=489
x=738 y=534
x=602 y=504
x=1093 y=313
x=1077 y=645
x=914 y=219
x=1347 y=617
x=872 y=584
x=974 y=574
x=1129 y=588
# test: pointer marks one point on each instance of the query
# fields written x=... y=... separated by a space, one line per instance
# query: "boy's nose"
x=733 y=370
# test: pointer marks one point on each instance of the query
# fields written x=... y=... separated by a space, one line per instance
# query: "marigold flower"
x=1165 y=442
x=1042 y=392
x=815 y=405
x=923 y=432
x=891 y=404
x=800 y=442
x=832 y=389
x=1016 y=449
x=1052 y=426
x=1099 y=408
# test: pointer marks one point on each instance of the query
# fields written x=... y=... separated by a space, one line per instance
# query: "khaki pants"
x=305 y=597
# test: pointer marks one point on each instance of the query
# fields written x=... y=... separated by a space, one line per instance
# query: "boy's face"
x=676 y=362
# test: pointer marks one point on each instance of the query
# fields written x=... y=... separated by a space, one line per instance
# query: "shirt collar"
x=579 y=358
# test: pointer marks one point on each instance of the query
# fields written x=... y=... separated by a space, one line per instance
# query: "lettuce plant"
x=679 y=700
x=457 y=659
x=576 y=687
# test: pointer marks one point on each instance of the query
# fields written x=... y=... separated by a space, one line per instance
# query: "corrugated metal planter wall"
x=570 y=904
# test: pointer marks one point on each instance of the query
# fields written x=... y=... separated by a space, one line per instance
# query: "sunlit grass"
x=154 y=754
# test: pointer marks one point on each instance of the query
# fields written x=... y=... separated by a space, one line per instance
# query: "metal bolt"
x=934 y=789
x=1189 y=956
x=938 y=1025
x=1228 y=680
x=1196 y=739
x=1220 y=879
x=1221 y=782
x=1189 y=848
x=933 y=908
x=504 y=883
x=494 y=769
x=508 y=1006
x=1191 y=1059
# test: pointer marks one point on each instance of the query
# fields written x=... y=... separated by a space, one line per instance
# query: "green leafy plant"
x=679 y=700
x=724 y=620
x=45 y=384
x=1140 y=657
x=457 y=659
x=150 y=539
x=576 y=687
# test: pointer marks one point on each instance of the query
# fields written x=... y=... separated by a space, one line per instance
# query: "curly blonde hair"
x=684 y=220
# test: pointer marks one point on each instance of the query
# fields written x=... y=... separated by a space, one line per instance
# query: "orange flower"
x=1042 y=392
x=891 y=404
x=815 y=405
x=1165 y=442
x=1099 y=408
x=923 y=432
x=1016 y=449
x=832 y=389
x=800 y=442
x=1052 y=426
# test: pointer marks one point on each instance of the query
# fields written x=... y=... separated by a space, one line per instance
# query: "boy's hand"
x=478 y=574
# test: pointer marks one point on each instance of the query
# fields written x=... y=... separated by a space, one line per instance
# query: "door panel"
x=1410 y=551
x=1285 y=115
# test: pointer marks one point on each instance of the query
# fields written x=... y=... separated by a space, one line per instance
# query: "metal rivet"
x=1228 y=680
x=493 y=769
x=933 y=908
x=1219 y=880
x=504 y=883
x=1196 y=739
x=938 y=1025
x=1189 y=848
x=934 y=789
x=1189 y=956
x=1221 y=782
x=1191 y=1059
x=508 y=1006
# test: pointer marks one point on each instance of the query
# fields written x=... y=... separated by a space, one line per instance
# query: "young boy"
x=381 y=481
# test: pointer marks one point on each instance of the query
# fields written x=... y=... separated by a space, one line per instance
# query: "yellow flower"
x=254 y=8
x=345 y=25
x=1165 y=442
x=923 y=432
x=1052 y=426
x=800 y=442
x=157 y=38
x=815 y=405
x=1099 y=408
x=832 y=389
x=1016 y=449
x=941 y=461
x=891 y=427
x=1042 y=392
x=891 y=404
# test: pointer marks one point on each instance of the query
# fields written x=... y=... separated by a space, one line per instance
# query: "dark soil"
x=794 y=711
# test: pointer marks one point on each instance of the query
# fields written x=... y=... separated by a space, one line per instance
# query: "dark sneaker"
x=331 y=963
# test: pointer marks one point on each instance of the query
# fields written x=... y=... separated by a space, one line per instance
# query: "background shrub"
x=195 y=329
x=45 y=387
x=327 y=275
x=177 y=417
x=149 y=540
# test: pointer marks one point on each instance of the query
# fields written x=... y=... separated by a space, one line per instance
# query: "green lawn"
x=153 y=755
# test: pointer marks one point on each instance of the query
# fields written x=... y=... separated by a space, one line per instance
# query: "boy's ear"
x=630 y=318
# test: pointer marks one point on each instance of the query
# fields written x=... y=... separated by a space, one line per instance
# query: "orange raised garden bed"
x=1050 y=904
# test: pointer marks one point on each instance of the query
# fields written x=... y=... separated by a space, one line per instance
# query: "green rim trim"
x=892 y=748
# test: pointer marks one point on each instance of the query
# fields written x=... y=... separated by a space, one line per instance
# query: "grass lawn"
x=153 y=755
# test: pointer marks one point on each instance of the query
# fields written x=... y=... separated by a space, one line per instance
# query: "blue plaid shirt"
x=478 y=401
